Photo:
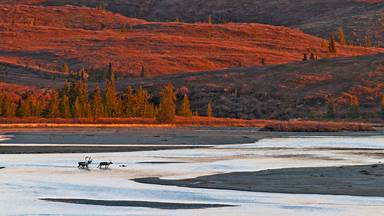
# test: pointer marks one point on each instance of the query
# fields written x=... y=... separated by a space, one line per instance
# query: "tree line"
x=75 y=101
x=353 y=107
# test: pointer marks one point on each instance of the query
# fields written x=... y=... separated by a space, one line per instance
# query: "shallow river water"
x=28 y=178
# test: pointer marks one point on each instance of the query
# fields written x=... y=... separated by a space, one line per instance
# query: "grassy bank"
x=318 y=126
x=266 y=125
x=128 y=122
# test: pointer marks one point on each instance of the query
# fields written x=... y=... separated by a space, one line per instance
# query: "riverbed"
x=28 y=180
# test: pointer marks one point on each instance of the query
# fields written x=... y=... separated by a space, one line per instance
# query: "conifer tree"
x=25 y=108
x=210 y=20
x=83 y=74
x=66 y=89
x=9 y=108
x=65 y=69
x=97 y=104
x=54 y=111
x=332 y=43
x=167 y=107
x=111 y=100
x=111 y=73
x=263 y=61
x=324 y=44
x=142 y=72
x=38 y=106
x=305 y=58
x=354 y=106
x=149 y=110
x=185 y=108
x=142 y=102
x=76 y=108
x=209 y=110
x=65 y=109
x=368 y=42
x=312 y=56
x=331 y=109
x=7 y=105
x=129 y=103
x=84 y=102
x=341 y=34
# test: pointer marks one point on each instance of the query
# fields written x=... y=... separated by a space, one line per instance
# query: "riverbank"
x=109 y=139
x=95 y=139
x=196 y=121
x=363 y=180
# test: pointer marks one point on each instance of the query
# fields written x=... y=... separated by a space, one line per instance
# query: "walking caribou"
x=104 y=164
x=84 y=164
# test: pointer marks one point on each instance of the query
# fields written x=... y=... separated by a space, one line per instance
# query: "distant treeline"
x=75 y=101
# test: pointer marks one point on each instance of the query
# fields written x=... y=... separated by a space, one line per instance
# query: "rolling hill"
x=45 y=38
x=293 y=90
x=361 y=18
x=37 y=40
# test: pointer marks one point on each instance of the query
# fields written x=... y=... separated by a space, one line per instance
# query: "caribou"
x=104 y=164
x=84 y=164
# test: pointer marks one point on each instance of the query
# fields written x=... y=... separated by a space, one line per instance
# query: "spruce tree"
x=167 y=107
x=331 y=109
x=142 y=72
x=209 y=110
x=97 y=104
x=263 y=61
x=210 y=20
x=332 y=43
x=354 y=107
x=149 y=110
x=142 y=102
x=9 y=108
x=111 y=73
x=129 y=103
x=2 y=102
x=54 y=111
x=65 y=109
x=66 y=89
x=7 y=105
x=25 y=108
x=38 y=106
x=341 y=34
x=312 y=56
x=76 y=108
x=185 y=108
x=324 y=44
x=84 y=102
x=65 y=69
x=368 y=42
x=110 y=100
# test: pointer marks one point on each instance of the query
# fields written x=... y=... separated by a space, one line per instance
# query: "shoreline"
x=294 y=125
x=139 y=204
x=359 y=180
x=98 y=140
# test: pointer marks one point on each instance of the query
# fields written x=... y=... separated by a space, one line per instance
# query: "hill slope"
x=319 y=17
x=296 y=90
x=47 y=37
